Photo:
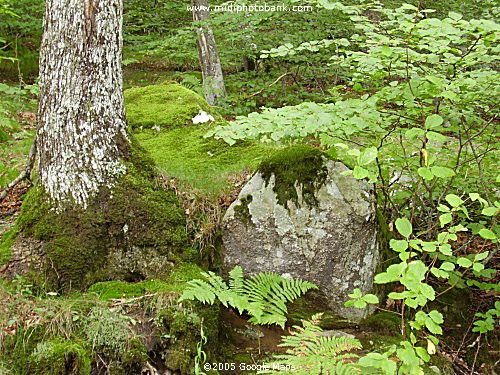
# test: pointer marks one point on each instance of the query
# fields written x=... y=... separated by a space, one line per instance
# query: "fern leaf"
x=236 y=280
x=198 y=290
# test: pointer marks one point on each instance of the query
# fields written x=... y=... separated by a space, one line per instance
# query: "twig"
x=272 y=84
x=25 y=174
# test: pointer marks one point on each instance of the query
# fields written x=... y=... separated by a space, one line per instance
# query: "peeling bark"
x=82 y=129
x=213 y=80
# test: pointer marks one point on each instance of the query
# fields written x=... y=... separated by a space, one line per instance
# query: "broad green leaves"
x=360 y=301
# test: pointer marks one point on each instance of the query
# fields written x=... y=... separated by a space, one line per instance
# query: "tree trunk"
x=213 y=81
x=82 y=129
x=97 y=211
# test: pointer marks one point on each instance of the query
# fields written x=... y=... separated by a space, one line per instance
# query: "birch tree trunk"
x=213 y=80
x=82 y=128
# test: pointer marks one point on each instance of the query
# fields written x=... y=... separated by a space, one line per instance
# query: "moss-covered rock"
x=299 y=165
x=385 y=322
x=175 y=282
x=168 y=106
x=60 y=357
x=133 y=231
x=182 y=327
x=201 y=163
x=313 y=222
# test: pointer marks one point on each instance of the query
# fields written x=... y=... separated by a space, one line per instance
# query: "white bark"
x=213 y=80
x=82 y=128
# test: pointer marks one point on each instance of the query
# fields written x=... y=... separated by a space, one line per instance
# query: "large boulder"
x=163 y=107
x=300 y=216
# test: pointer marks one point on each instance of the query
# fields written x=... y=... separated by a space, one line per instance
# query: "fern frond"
x=264 y=295
x=236 y=280
x=310 y=352
x=198 y=290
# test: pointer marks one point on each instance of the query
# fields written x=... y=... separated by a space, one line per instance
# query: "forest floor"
x=250 y=344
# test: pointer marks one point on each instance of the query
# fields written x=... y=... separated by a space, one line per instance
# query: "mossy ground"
x=126 y=325
x=200 y=163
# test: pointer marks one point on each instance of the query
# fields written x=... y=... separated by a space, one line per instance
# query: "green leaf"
x=487 y=234
x=356 y=293
x=490 y=211
x=447 y=266
x=433 y=121
x=398 y=245
x=359 y=173
x=404 y=227
x=414 y=133
x=371 y=298
x=433 y=327
x=454 y=200
x=425 y=173
x=359 y=304
x=433 y=136
x=455 y=16
x=464 y=262
x=478 y=267
x=481 y=256
x=442 y=172
x=436 y=316
x=367 y=156
x=445 y=219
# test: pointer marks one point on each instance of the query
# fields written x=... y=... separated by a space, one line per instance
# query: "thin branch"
x=25 y=174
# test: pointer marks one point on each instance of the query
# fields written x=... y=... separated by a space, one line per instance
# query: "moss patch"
x=242 y=211
x=382 y=322
x=5 y=246
x=59 y=357
x=301 y=166
x=169 y=105
x=175 y=282
x=182 y=326
x=198 y=162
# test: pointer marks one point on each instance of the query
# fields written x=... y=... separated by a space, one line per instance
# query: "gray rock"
x=332 y=243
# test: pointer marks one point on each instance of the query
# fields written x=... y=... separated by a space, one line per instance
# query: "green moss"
x=59 y=357
x=5 y=246
x=297 y=165
x=242 y=211
x=175 y=282
x=135 y=217
x=382 y=322
x=181 y=325
x=136 y=356
x=305 y=307
x=201 y=163
x=167 y=105
x=107 y=290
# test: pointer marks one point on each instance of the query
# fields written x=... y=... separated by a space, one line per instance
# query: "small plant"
x=263 y=296
x=312 y=351
x=201 y=356
x=107 y=330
